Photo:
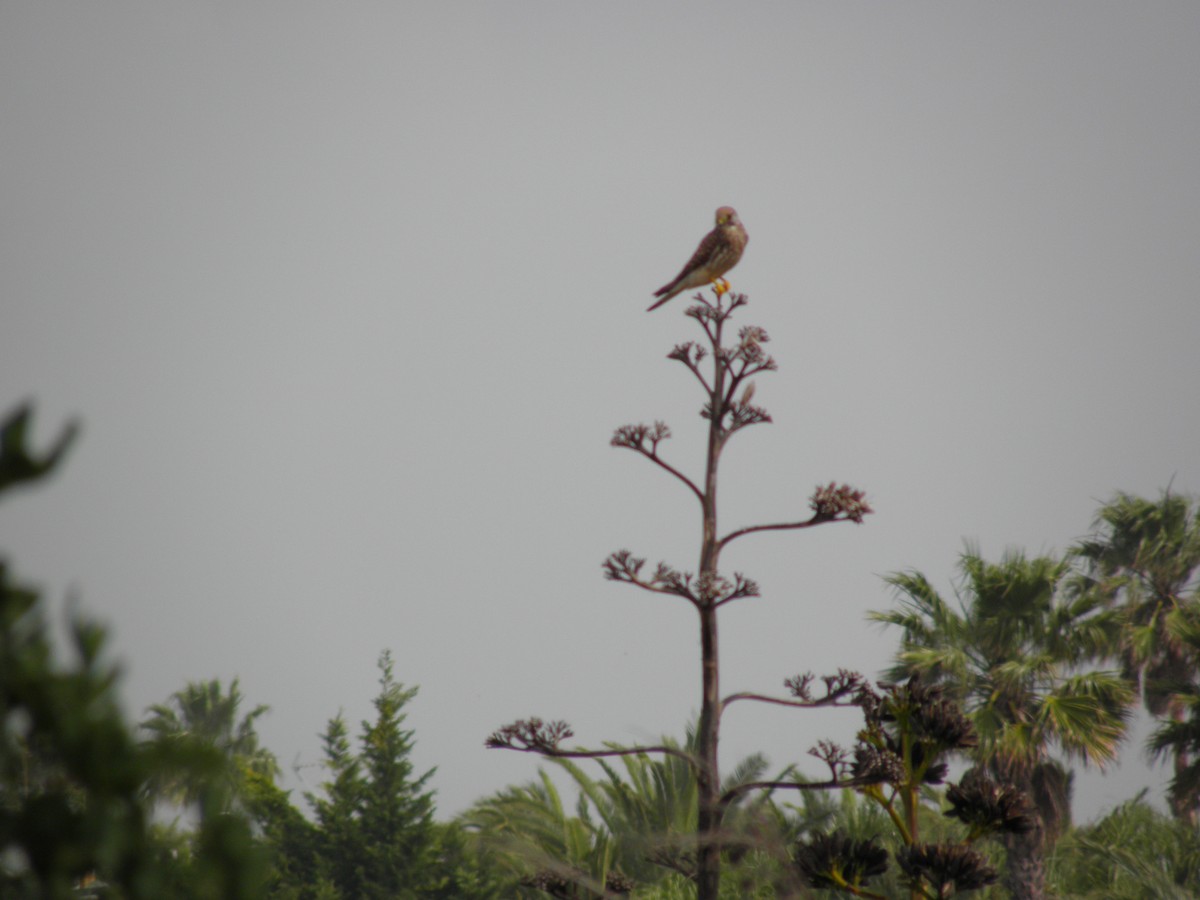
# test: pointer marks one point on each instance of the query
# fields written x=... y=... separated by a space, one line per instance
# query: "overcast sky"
x=350 y=297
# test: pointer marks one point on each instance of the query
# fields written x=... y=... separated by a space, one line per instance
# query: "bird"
x=719 y=251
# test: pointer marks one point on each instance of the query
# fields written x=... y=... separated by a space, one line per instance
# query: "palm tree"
x=1179 y=736
x=1145 y=555
x=203 y=716
x=1012 y=651
x=527 y=832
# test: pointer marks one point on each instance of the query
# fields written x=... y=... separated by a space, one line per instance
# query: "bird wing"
x=703 y=254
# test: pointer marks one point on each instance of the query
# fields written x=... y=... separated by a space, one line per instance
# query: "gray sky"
x=350 y=298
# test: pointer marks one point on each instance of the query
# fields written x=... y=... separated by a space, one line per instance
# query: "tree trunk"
x=1025 y=872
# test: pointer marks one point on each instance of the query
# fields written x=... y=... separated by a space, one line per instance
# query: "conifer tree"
x=378 y=837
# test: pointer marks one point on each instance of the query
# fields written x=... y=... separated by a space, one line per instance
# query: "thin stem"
x=654 y=457
x=695 y=370
x=659 y=590
x=598 y=754
x=817 y=519
x=781 y=701
x=906 y=836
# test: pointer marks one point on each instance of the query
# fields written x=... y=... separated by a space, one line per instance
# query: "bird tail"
x=666 y=293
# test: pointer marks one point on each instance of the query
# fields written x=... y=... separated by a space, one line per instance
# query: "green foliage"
x=396 y=813
x=462 y=870
x=1180 y=736
x=911 y=731
x=527 y=830
x=678 y=887
x=291 y=841
x=203 y=715
x=376 y=819
x=1133 y=853
x=1146 y=550
x=1145 y=556
x=860 y=817
x=71 y=771
x=638 y=822
x=17 y=463
x=373 y=834
x=76 y=784
x=1013 y=652
x=639 y=819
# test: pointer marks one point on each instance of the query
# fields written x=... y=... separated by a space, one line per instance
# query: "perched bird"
x=718 y=252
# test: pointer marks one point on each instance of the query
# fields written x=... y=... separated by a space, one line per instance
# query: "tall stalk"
x=728 y=408
x=708 y=868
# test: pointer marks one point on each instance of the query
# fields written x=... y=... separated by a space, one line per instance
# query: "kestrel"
x=718 y=252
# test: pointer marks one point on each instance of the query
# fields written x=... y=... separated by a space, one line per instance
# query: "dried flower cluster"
x=837 y=687
x=750 y=339
x=838 y=861
x=875 y=766
x=715 y=590
x=911 y=729
x=702 y=590
x=834 y=756
x=946 y=868
x=689 y=353
x=925 y=710
x=748 y=353
x=919 y=716
x=532 y=735
x=937 y=719
x=835 y=502
x=705 y=311
x=637 y=437
x=742 y=415
x=984 y=806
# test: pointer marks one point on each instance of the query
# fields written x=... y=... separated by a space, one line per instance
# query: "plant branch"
x=624 y=566
x=831 y=503
x=842 y=689
x=659 y=461
x=644 y=439
x=543 y=738
x=691 y=354
x=703 y=591
x=781 y=701
x=781 y=526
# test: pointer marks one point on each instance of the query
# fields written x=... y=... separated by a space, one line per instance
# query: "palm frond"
x=1088 y=724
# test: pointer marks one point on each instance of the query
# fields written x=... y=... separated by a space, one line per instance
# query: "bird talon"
x=721 y=286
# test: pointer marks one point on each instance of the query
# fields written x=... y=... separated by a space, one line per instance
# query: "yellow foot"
x=721 y=286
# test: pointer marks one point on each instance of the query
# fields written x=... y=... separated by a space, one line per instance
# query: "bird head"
x=727 y=215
